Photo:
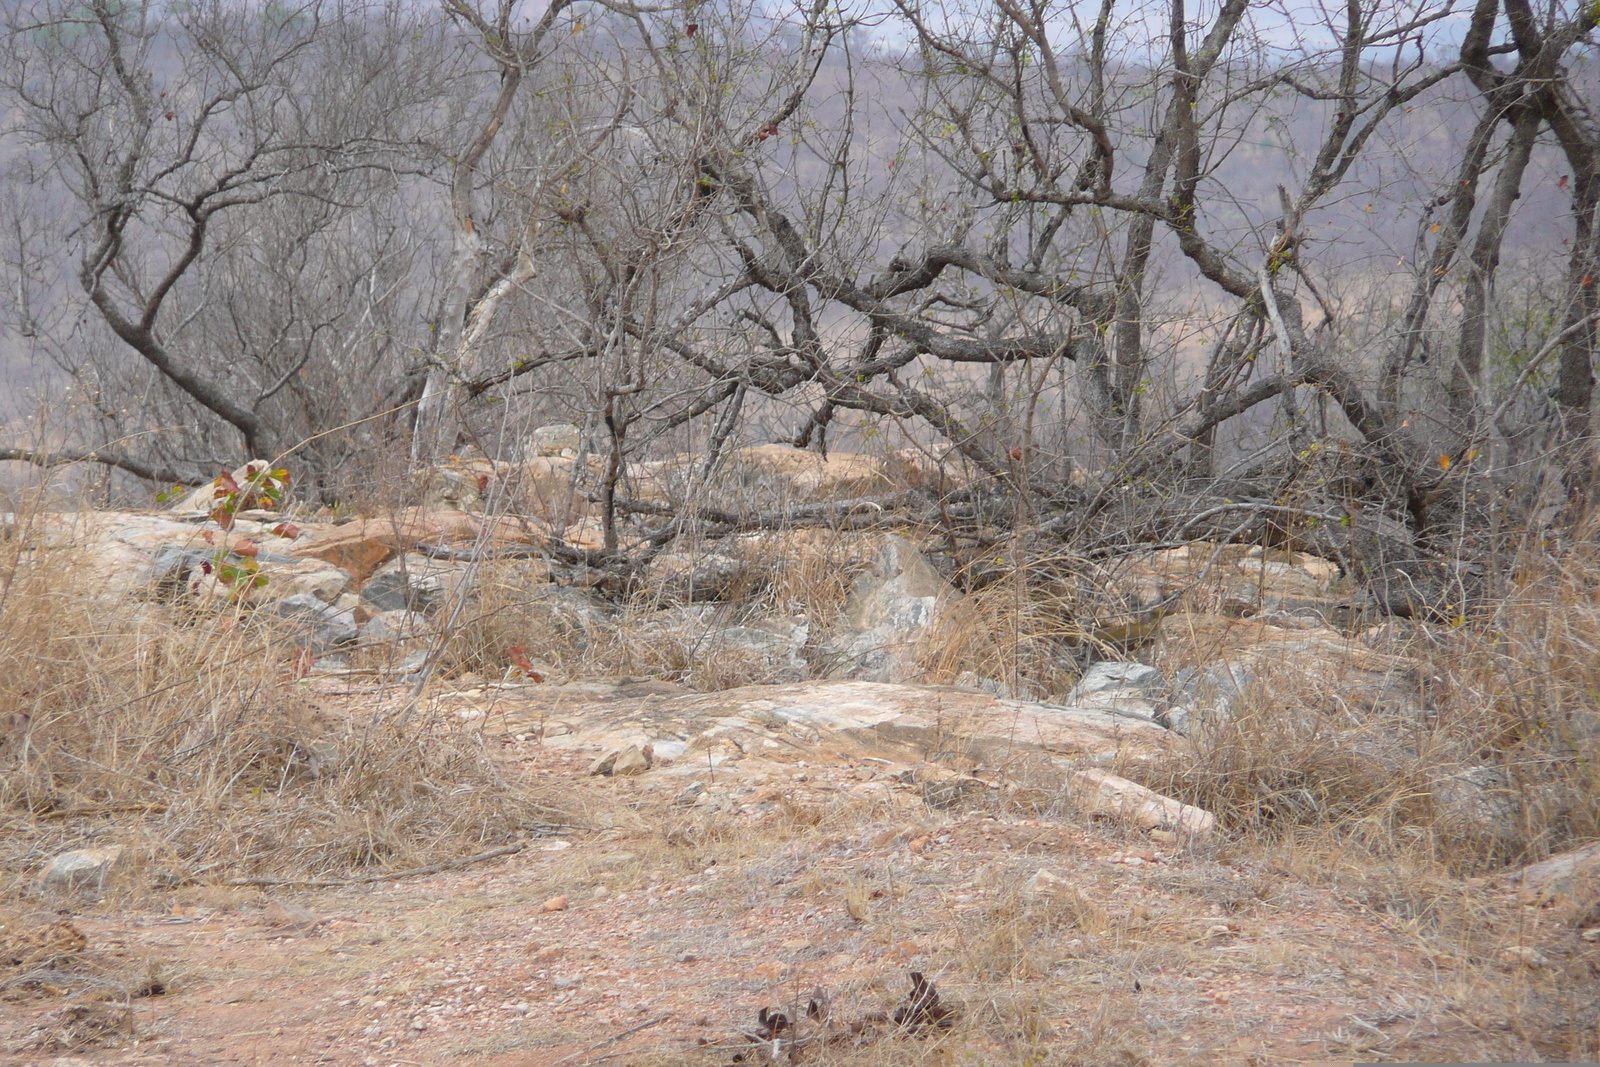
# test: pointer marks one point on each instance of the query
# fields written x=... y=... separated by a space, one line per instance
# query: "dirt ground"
x=656 y=932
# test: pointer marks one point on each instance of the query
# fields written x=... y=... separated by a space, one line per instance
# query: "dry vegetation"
x=194 y=720
x=190 y=741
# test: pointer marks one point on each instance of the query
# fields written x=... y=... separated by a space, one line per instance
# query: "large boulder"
x=888 y=614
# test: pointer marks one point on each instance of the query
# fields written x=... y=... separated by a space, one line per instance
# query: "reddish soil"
x=681 y=922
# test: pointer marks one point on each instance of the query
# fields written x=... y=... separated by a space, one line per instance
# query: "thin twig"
x=100 y=809
x=657 y=1021
x=414 y=872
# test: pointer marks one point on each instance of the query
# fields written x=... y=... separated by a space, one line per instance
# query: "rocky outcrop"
x=901 y=724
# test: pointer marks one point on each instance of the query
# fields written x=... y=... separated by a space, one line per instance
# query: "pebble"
x=564 y=983
x=419 y=1023
x=556 y=904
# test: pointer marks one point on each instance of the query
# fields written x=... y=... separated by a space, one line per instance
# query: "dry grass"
x=1495 y=763
x=803 y=575
x=183 y=735
x=1025 y=631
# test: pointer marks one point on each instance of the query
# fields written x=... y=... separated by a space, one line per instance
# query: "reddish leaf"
x=518 y=655
x=287 y=530
x=243 y=546
x=226 y=483
x=223 y=517
x=692 y=29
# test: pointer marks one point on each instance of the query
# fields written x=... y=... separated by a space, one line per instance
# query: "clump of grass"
x=1495 y=764
x=791 y=576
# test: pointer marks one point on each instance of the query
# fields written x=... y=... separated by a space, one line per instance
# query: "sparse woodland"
x=1223 y=369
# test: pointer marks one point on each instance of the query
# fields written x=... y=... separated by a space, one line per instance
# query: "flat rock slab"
x=827 y=720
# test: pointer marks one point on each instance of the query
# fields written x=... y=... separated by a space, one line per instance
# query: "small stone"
x=1222 y=998
x=419 y=1023
x=1523 y=956
x=80 y=868
x=1164 y=837
x=1044 y=885
x=1591 y=934
x=905 y=951
x=556 y=904
x=563 y=983
x=633 y=760
x=686 y=957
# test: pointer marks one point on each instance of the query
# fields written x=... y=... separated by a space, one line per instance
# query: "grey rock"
x=415 y=583
x=79 y=868
x=327 y=626
x=389 y=627
x=555 y=439
x=1133 y=689
x=1478 y=802
x=890 y=609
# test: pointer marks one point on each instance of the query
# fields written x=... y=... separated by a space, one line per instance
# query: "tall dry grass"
x=786 y=576
x=1494 y=765
x=183 y=734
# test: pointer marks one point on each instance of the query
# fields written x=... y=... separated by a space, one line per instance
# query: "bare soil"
x=687 y=913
